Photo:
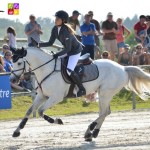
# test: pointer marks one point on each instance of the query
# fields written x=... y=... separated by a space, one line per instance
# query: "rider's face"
x=58 y=21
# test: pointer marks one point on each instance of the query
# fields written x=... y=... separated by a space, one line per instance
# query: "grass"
x=121 y=101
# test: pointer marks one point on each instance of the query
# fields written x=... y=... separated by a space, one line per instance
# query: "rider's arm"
x=51 y=40
x=67 y=42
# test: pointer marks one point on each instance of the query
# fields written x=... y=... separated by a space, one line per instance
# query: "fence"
x=23 y=42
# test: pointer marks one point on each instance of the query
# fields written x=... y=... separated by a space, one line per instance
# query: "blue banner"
x=5 y=91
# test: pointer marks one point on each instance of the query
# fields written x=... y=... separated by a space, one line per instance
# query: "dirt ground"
x=120 y=131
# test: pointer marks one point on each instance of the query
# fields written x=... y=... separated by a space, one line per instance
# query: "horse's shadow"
x=88 y=146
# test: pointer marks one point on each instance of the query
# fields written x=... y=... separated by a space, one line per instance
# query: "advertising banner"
x=5 y=91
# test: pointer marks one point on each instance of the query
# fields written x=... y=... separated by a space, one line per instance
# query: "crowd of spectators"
x=114 y=35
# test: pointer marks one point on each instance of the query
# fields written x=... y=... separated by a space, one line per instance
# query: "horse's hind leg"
x=48 y=104
x=37 y=102
x=94 y=127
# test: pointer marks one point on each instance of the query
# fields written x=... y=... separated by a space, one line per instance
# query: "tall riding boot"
x=76 y=79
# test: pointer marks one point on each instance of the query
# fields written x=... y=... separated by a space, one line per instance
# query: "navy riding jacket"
x=71 y=45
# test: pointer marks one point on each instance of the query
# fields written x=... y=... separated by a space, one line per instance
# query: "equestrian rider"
x=72 y=47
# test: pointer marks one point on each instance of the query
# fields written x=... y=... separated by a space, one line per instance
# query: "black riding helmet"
x=62 y=15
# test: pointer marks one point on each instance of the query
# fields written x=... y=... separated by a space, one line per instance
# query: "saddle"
x=86 y=69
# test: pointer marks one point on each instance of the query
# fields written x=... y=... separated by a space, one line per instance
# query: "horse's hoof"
x=95 y=133
x=16 y=134
x=58 y=121
x=88 y=139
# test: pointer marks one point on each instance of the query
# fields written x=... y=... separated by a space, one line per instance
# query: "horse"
x=112 y=78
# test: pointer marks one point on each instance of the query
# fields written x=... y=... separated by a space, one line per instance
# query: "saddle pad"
x=90 y=73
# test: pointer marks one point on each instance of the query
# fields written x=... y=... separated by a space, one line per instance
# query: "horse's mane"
x=40 y=49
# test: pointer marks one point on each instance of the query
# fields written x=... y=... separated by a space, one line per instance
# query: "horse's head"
x=19 y=53
x=20 y=67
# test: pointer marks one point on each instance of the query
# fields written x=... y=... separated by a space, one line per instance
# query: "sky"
x=47 y=8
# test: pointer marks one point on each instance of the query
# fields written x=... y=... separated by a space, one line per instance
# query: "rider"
x=72 y=47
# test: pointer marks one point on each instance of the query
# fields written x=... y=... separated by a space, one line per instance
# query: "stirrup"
x=81 y=93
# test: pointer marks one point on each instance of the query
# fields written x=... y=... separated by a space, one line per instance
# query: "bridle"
x=39 y=83
x=23 y=70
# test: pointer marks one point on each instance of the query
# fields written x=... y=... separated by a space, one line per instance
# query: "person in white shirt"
x=11 y=35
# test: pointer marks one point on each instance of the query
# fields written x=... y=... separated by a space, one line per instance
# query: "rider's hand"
x=35 y=43
x=55 y=56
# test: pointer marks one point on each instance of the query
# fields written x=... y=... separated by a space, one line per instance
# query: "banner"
x=5 y=91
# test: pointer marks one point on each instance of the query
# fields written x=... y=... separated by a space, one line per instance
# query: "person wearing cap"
x=5 y=47
x=109 y=28
x=73 y=20
x=75 y=24
x=33 y=29
x=97 y=26
x=72 y=47
x=88 y=31
x=125 y=58
x=105 y=55
x=140 y=30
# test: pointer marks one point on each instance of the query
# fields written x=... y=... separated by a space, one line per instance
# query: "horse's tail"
x=139 y=81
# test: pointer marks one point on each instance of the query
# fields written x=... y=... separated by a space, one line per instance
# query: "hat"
x=109 y=14
x=127 y=46
x=90 y=12
x=75 y=12
x=5 y=46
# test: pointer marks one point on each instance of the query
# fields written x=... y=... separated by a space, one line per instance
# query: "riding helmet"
x=62 y=15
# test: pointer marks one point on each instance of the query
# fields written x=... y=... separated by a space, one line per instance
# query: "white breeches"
x=72 y=62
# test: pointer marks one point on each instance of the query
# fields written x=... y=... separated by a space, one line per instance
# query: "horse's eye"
x=19 y=63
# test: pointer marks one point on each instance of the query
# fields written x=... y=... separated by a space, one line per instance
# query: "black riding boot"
x=76 y=79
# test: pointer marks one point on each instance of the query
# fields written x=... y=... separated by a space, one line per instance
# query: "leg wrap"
x=23 y=123
x=49 y=119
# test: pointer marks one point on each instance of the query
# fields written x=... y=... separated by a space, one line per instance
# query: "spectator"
x=88 y=31
x=97 y=26
x=11 y=35
x=25 y=81
x=140 y=57
x=140 y=30
x=96 y=36
x=110 y=28
x=74 y=22
x=33 y=29
x=8 y=66
x=1 y=65
x=105 y=55
x=122 y=33
x=125 y=58
x=5 y=48
x=148 y=33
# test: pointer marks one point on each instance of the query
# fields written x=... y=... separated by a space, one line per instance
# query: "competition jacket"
x=71 y=45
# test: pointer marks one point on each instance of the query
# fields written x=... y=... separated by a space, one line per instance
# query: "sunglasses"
x=8 y=55
x=139 y=48
x=105 y=55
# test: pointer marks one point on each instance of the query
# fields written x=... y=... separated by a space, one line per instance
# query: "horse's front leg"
x=37 y=102
x=94 y=128
x=52 y=100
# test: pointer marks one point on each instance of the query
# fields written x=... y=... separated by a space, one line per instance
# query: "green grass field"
x=122 y=101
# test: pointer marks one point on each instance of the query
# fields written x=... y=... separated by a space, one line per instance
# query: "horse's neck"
x=37 y=58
